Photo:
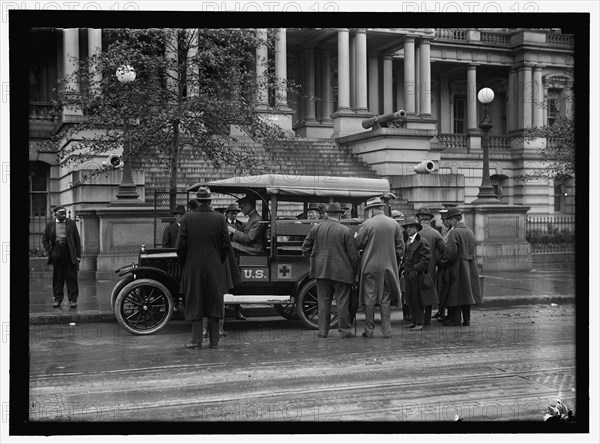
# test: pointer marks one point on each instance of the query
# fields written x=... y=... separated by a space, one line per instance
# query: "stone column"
x=525 y=96
x=262 y=55
x=309 y=101
x=327 y=90
x=343 y=70
x=281 y=68
x=94 y=50
x=472 y=99
x=538 y=97
x=418 y=80
x=352 y=59
x=400 y=88
x=445 y=106
x=388 y=92
x=425 y=82
x=409 y=75
x=361 y=69
x=374 y=85
x=512 y=100
x=71 y=57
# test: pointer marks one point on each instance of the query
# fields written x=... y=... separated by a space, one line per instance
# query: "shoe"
x=417 y=328
x=240 y=316
x=348 y=336
x=194 y=345
x=452 y=324
x=56 y=304
x=410 y=325
x=466 y=324
x=441 y=319
x=438 y=315
x=387 y=337
x=367 y=335
x=213 y=345
x=205 y=333
x=222 y=334
x=73 y=304
x=322 y=336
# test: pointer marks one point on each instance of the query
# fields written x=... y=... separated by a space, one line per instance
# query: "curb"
x=109 y=316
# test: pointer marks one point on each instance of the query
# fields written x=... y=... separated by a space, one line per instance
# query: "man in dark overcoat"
x=63 y=245
x=436 y=250
x=334 y=261
x=232 y=270
x=202 y=247
x=380 y=240
x=172 y=230
x=463 y=288
x=418 y=286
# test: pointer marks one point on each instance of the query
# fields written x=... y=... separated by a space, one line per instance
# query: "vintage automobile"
x=148 y=293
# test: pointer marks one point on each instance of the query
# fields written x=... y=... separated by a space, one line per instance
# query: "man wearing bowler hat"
x=380 y=240
x=334 y=261
x=202 y=247
x=170 y=233
x=419 y=291
x=436 y=250
x=62 y=243
x=461 y=286
x=250 y=240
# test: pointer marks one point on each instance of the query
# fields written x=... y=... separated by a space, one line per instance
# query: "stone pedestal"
x=347 y=122
x=112 y=237
x=500 y=234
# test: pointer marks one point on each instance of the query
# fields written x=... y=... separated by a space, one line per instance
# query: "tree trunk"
x=174 y=163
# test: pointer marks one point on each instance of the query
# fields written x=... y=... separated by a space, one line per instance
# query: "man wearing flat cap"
x=202 y=247
x=334 y=261
x=418 y=285
x=436 y=250
x=250 y=240
x=62 y=243
x=460 y=284
x=380 y=240
x=172 y=230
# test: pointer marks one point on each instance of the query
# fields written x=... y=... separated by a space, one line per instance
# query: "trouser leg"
x=213 y=330
x=324 y=297
x=197 y=331
x=466 y=313
x=71 y=281
x=342 y=296
x=427 y=318
x=59 y=263
x=386 y=315
x=414 y=302
x=453 y=314
x=369 y=319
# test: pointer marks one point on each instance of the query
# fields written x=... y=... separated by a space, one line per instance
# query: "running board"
x=256 y=299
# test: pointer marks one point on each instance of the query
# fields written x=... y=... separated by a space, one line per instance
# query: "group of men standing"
x=433 y=269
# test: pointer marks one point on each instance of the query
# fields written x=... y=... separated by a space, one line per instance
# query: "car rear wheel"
x=144 y=306
x=308 y=307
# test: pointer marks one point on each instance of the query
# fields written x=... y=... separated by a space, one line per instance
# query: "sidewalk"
x=544 y=285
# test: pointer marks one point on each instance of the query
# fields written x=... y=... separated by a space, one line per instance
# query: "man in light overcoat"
x=334 y=262
x=202 y=247
x=380 y=240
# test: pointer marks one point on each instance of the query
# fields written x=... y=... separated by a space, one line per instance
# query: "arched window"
x=38 y=188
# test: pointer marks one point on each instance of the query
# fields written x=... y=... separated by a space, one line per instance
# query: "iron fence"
x=552 y=234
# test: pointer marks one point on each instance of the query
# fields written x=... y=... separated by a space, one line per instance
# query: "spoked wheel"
x=308 y=306
x=288 y=310
x=144 y=306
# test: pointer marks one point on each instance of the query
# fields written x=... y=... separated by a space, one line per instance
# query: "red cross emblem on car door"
x=284 y=271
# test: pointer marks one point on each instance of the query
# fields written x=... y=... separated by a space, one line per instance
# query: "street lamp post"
x=486 y=190
x=127 y=193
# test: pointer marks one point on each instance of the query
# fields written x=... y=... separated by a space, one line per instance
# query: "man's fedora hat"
x=203 y=193
x=179 y=209
x=425 y=212
x=335 y=207
x=374 y=202
x=412 y=220
x=246 y=199
x=398 y=215
x=233 y=207
x=312 y=206
x=453 y=211
x=322 y=208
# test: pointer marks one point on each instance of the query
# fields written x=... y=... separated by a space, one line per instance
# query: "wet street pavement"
x=509 y=365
